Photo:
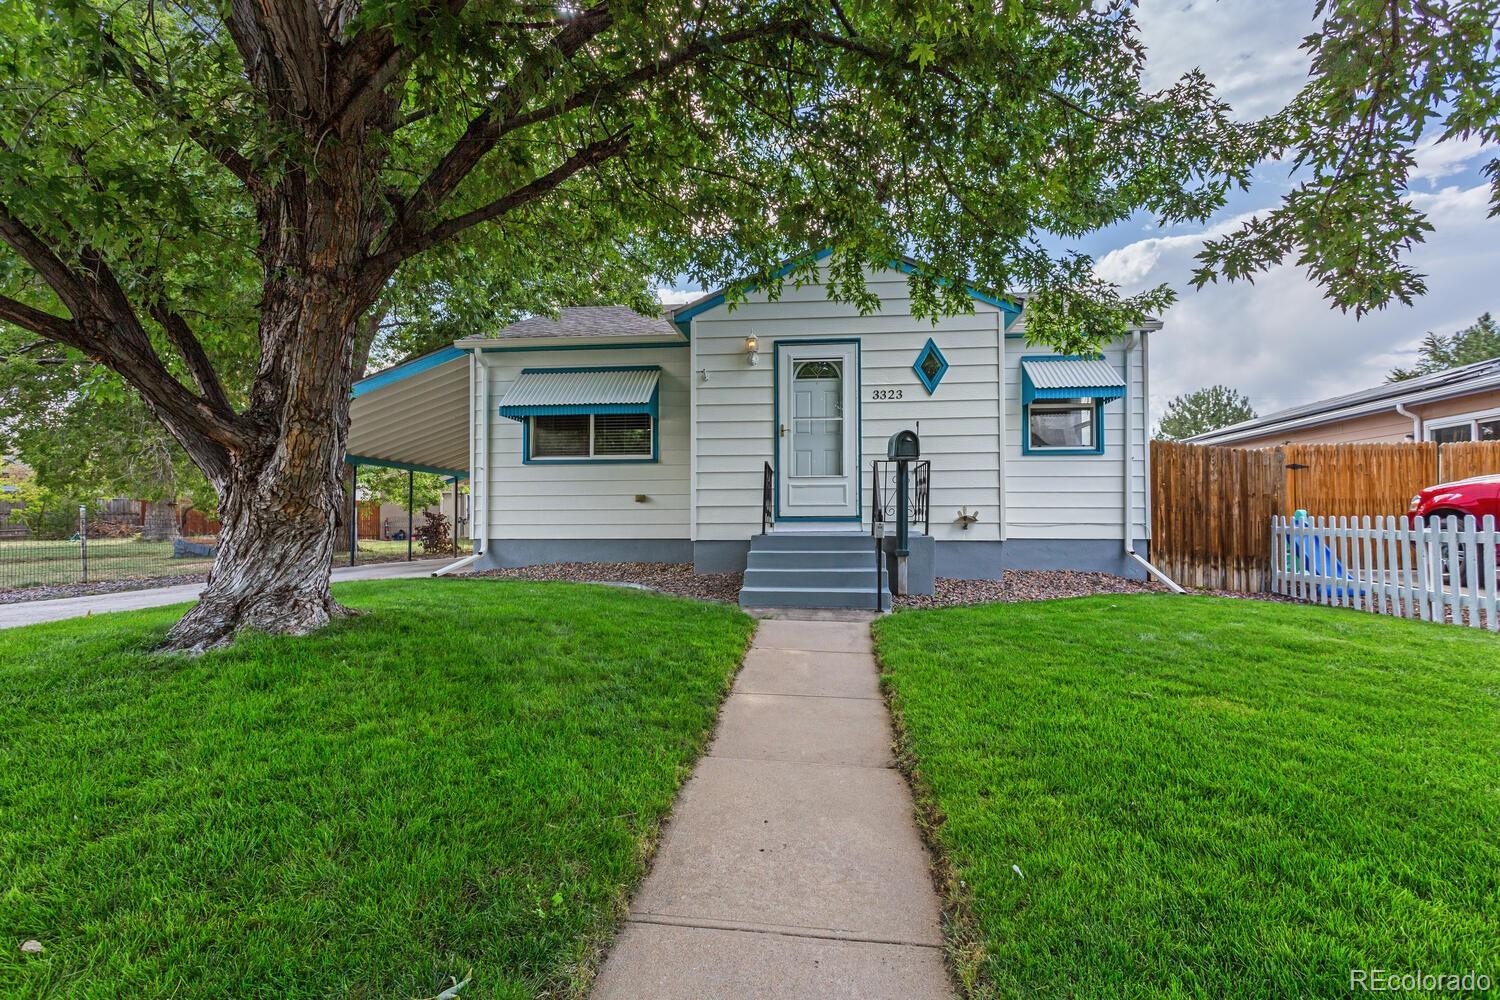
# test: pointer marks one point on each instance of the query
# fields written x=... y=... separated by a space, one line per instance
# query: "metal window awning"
x=1070 y=378
x=539 y=392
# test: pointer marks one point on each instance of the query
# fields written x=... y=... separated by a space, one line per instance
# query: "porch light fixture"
x=752 y=350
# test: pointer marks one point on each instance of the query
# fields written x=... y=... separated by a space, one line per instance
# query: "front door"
x=818 y=432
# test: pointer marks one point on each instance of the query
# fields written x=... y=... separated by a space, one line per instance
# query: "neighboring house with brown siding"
x=1460 y=404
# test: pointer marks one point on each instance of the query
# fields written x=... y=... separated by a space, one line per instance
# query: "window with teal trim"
x=1064 y=427
x=585 y=437
x=930 y=366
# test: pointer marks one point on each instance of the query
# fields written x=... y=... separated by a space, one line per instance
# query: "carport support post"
x=353 y=511
x=455 y=515
x=410 y=477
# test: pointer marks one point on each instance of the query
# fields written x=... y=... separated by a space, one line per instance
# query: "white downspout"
x=1416 y=421
x=479 y=475
x=1127 y=493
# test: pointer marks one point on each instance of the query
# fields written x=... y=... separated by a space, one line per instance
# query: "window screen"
x=560 y=437
x=618 y=435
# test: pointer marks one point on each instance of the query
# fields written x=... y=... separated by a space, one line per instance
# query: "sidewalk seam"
x=778 y=930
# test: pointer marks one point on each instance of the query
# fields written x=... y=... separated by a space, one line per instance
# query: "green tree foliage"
x=1385 y=77
x=1203 y=410
x=224 y=205
x=389 y=486
x=1479 y=341
x=83 y=433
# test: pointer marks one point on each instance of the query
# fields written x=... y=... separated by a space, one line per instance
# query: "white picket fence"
x=1436 y=572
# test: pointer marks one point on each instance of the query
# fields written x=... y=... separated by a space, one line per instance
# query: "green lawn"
x=471 y=775
x=1204 y=797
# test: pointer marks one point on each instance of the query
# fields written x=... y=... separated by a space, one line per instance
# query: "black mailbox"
x=903 y=445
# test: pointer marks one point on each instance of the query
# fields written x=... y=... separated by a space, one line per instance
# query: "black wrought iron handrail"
x=767 y=485
x=883 y=493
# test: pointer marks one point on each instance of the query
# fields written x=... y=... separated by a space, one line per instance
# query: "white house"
x=606 y=436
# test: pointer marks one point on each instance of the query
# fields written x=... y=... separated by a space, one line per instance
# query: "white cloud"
x=674 y=296
x=1249 y=50
x=1436 y=160
x=1280 y=341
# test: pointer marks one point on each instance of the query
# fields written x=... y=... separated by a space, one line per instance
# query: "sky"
x=1278 y=340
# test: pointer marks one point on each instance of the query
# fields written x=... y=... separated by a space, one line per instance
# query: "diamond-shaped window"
x=930 y=366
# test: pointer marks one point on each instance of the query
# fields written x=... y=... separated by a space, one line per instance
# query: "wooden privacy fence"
x=1211 y=506
x=1351 y=480
x=1443 y=572
x=1464 y=459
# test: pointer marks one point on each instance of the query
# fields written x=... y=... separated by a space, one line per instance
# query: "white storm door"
x=818 y=432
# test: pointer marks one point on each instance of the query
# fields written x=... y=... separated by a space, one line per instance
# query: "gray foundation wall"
x=987 y=560
x=510 y=553
x=929 y=558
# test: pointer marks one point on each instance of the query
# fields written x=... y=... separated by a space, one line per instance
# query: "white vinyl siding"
x=959 y=423
x=1074 y=496
x=582 y=499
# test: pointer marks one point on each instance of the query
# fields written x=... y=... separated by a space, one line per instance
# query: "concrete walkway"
x=32 y=612
x=792 y=866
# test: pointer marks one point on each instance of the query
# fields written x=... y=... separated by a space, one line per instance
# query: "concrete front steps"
x=813 y=570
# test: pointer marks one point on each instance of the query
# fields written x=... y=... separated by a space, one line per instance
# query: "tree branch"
x=373 y=60
x=594 y=153
x=215 y=146
x=105 y=327
x=485 y=130
x=44 y=324
x=193 y=355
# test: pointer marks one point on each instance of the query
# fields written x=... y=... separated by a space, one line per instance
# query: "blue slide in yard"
x=1321 y=562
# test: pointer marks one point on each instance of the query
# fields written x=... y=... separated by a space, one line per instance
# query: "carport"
x=413 y=416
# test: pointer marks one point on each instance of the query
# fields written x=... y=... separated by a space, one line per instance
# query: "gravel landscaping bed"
x=1026 y=585
x=669 y=578
x=56 y=591
x=679 y=579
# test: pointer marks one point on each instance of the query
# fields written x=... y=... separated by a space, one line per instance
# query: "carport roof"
x=414 y=415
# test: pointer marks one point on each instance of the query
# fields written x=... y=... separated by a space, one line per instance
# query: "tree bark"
x=279 y=505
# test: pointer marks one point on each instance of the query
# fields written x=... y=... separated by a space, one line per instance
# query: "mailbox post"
x=902 y=448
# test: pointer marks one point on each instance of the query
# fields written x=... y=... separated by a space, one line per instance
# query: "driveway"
x=33 y=612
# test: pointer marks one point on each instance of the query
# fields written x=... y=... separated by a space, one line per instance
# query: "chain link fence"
x=106 y=547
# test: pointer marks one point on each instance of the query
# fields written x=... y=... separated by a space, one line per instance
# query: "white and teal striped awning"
x=540 y=392
x=1069 y=378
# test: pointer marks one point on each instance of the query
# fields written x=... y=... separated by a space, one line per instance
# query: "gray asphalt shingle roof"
x=588 y=321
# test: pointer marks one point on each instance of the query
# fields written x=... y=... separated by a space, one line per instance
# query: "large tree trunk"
x=272 y=569
x=280 y=504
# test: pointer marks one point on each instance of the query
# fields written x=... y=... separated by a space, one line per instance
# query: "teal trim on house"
x=385 y=463
x=407 y=369
x=1098 y=393
x=859 y=435
x=684 y=319
x=661 y=346
x=649 y=405
x=930 y=349
x=1098 y=449
x=1078 y=376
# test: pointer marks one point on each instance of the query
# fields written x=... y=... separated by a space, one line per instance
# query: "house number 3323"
x=887 y=394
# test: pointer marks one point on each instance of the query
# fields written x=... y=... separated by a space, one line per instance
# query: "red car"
x=1478 y=496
